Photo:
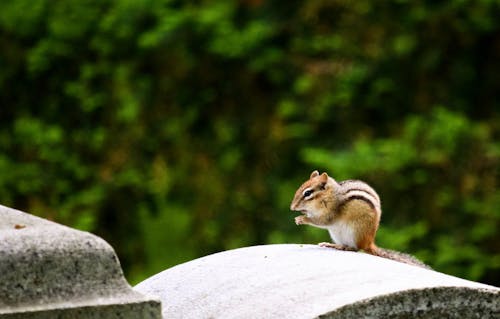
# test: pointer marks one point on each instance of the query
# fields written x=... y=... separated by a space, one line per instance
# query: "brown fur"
x=323 y=208
x=361 y=216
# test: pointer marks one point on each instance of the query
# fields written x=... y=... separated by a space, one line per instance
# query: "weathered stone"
x=51 y=271
x=306 y=281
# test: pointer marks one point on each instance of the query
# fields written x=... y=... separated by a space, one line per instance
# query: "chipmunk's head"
x=312 y=196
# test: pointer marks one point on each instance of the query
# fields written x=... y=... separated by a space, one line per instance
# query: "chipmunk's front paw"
x=300 y=220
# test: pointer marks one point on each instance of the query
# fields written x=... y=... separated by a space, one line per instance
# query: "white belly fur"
x=342 y=234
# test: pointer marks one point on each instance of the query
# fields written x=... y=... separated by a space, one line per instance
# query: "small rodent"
x=350 y=210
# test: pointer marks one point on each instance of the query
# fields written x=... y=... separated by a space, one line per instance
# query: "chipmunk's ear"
x=324 y=177
x=314 y=174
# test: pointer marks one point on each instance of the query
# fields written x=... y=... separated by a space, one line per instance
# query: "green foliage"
x=175 y=129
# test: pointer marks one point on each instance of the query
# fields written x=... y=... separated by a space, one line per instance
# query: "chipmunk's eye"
x=308 y=193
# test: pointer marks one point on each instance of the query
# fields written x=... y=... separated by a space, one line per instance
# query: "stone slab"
x=51 y=271
x=307 y=281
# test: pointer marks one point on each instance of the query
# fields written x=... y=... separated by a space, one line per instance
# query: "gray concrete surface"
x=307 y=281
x=51 y=271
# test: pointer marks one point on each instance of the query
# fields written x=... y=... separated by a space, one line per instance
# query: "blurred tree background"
x=176 y=129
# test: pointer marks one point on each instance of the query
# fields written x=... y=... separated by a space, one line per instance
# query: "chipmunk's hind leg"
x=372 y=249
x=336 y=246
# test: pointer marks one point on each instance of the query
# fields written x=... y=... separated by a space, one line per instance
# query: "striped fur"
x=358 y=190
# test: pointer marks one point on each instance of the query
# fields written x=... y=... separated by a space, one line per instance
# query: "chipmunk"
x=350 y=210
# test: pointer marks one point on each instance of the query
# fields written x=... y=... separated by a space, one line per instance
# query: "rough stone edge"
x=136 y=310
x=120 y=300
x=117 y=284
x=464 y=302
x=126 y=303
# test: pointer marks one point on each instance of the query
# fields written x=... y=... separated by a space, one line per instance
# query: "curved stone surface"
x=51 y=271
x=307 y=281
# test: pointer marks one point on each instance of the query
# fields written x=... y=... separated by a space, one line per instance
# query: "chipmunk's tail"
x=398 y=256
